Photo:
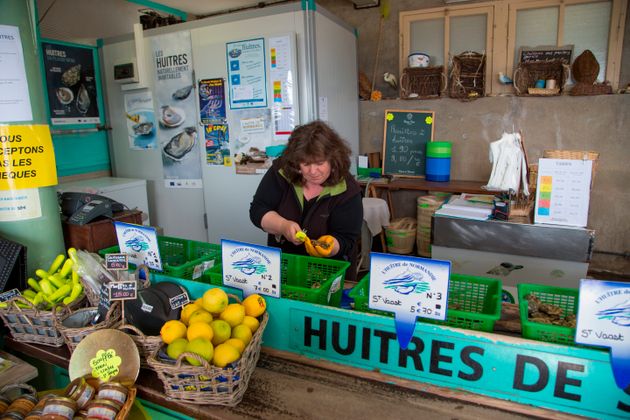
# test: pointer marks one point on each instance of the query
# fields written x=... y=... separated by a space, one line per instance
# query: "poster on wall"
x=212 y=101
x=246 y=73
x=282 y=76
x=70 y=83
x=176 y=110
x=15 y=102
x=217 y=144
x=251 y=134
x=140 y=115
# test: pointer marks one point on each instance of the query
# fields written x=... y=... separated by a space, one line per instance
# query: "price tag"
x=6 y=296
x=251 y=268
x=122 y=290
x=116 y=262
x=604 y=320
x=179 y=300
x=409 y=287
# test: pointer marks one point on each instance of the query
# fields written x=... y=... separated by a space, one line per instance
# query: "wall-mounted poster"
x=141 y=127
x=177 y=110
x=212 y=101
x=246 y=73
x=283 y=79
x=70 y=83
x=217 y=144
x=15 y=103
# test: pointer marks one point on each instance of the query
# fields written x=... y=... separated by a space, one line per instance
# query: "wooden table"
x=421 y=184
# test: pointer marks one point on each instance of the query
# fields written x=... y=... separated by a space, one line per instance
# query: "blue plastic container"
x=438 y=169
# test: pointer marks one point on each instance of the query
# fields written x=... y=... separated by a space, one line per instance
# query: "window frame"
x=501 y=34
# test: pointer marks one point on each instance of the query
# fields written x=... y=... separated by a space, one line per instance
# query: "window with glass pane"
x=467 y=33
x=535 y=27
x=427 y=36
x=586 y=26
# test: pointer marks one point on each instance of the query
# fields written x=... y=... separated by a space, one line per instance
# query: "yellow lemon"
x=251 y=322
x=233 y=314
x=215 y=300
x=200 y=330
x=201 y=347
x=187 y=311
x=255 y=305
x=224 y=354
x=236 y=342
x=222 y=331
x=172 y=330
x=242 y=332
x=176 y=348
x=200 y=316
x=199 y=302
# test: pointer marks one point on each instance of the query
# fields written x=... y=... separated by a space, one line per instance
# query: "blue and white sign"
x=247 y=78
x=140 y=243
x=251 y=268
x=604 y=320
x=410 y=287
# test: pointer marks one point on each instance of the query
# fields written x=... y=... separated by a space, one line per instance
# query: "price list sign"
x=251 y=268
x=410 y=287
x=122 y=290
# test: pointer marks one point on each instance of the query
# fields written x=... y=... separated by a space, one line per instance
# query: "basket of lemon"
x=208 y=356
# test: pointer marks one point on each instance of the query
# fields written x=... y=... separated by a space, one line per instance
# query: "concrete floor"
x=282 y=389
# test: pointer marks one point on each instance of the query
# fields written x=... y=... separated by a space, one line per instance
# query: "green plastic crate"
x=179 y=256
x=565 y=298
x=474 y=303
x=299 y=276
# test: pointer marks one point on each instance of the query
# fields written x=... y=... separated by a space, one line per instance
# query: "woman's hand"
x=290 y=231
x=277 y=225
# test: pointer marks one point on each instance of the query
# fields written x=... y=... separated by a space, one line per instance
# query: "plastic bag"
x=509 y=168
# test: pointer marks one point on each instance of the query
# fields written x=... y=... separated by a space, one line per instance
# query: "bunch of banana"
x=59 y=284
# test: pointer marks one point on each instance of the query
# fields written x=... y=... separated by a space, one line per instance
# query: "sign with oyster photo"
x=176 y=111
x=140 y=115
x=71 y=84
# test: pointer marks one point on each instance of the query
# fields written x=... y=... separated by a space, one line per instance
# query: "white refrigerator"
x=324 y=60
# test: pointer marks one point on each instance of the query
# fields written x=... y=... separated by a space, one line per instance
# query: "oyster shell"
x=182 y=93
x=181 y=144
x=64 y=95
x=71 y=76
x=83 y=100
x=143 y=129
x=171 y=116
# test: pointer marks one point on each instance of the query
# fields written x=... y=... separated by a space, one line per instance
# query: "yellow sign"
x=105 y=365
x=27 y=157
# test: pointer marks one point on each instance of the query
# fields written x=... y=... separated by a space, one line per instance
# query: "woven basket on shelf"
x=207 y=384
x=147 y=344
x=32 y=325
x=524 y=205
x=574 y=155
x=468 y=75
x=422 y=83
x=527 y=74
x=74 y=335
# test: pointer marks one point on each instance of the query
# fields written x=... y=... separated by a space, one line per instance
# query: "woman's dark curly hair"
x=316 y=142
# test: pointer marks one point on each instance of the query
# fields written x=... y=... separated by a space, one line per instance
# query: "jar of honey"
x=59 y=408
x=21 y=405
x=80 y=391
x=101 y=409
x=4 y=403
x=113 y=391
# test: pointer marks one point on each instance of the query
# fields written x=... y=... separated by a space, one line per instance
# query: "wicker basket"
x=422 y=83
x=207 y=384
x=147 y=344
x=401 y=235
x=527 y=74
x=32 y=325
x=468 y=76
x=524 y=205
x=74 y=335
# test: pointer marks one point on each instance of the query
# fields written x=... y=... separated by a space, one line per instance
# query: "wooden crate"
x=99 y=234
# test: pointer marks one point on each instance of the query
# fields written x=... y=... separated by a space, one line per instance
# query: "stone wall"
x=600 y=123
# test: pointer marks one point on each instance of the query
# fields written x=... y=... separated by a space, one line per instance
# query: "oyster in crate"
x=83 y=100
x=71 y=76
x=182 y=93
x=171 y=116
x=181 y=144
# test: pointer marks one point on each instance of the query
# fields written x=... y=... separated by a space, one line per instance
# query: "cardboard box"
x=99 y=234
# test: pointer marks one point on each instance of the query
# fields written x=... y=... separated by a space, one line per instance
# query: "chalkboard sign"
x=116 y=262
x=122 y=290
x=179 y=300
x=529 y=54
x=405 y=140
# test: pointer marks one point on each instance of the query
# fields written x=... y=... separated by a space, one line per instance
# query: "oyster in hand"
x=181 y=144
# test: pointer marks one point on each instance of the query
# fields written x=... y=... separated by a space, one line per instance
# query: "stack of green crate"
x=179 y=256
x=474 y=302
x=307 y=279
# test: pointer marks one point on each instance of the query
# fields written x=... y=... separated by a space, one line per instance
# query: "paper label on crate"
x=146 y=307
x=202 y=268
x=603 y=319
x=334 y=287
x=410 y=287
x=140 y=244
x=251 y=268
x=105 y=365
